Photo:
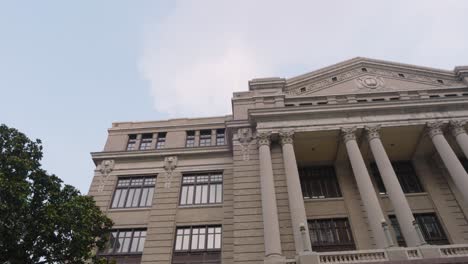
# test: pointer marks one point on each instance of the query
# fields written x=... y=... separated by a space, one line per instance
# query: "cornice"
x=160 y=153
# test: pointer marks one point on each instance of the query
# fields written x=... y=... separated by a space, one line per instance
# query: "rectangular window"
x=161 y=141
x=131 y=145
x=146 y=140
x=125 y=241
x=205 y=138
x=197 y=189
x=429 y=225
x=197 y=244
x=405 y=173
x=190 y=139
x=331 y=235
x=319 y=182
x=220 y=137
x=134 y=192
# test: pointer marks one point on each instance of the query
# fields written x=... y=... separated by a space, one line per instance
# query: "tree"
x=41 y=219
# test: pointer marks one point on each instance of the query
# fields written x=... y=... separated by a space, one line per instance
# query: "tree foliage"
x=41 y=219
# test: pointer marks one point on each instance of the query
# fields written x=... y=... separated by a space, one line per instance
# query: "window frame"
x=135 y=187
x=132 y=139
x=205 y=138
x=325 y=176
x=220 y=136
x=161 y=140
x=190 y=137
x=336 y=232
x=111 y=250
x=208 y=183
x=146 y=141
x=198 y=255
x=442 y=240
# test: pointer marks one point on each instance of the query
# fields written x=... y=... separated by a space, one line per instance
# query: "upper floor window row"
x=134 y=192
x=406 y=175
x=207 y=137
x=199 y=189
x=145 y=141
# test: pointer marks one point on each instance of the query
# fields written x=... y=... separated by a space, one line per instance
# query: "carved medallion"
x=370 y=82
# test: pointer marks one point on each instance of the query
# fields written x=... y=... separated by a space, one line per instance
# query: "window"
x=331 y=235
x=161 y=141
x=204 y=188
x=205 y=138
x=197 y=244
x=430 y=228
x=134 y=192
x=334 y=79
x=303 y=89
x=220 y=137
x=401 y=75
x=406 y=175
x=190 y=140
x=131 y=145
x=146 y=140
x=364 y=69
x=126 y=241
x=319 y=182
x=440 y=81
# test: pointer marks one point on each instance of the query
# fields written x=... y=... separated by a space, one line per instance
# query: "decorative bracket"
x=170 y=163
x=245 y=138
x=105 y=168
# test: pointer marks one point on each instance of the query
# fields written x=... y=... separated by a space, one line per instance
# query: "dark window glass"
x=464 y=162
x=319 y=182
x=406 y=175
x=190 y=140
x=331 y=235
x=204 y=188
x=429 y=225
x=131 y=145
x=205 y=138
x=197 y=244
x=134 y=192
x=146 y=140
x=161 y=141
x=220 y=137
x=125 y=241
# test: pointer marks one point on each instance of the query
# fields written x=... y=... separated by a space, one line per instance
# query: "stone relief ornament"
x=286 y=136
x=105 y=168
x=170 y=163
x=245 y=137
x=457 y=127
x=370 y=82
x=434 y=128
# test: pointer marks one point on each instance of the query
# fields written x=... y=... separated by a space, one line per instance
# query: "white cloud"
x=204 y=50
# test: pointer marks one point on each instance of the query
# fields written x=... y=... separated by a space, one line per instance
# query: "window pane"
x=141 y=245
x=190 y=195
x=130 y=198
x=212 y=193
x=195 y=241
x=219 y=193
x=144 y=196
x=204 y=198
x=217 y=241
x=183 y=195
x=178 y=245
x=116 y=198
x=185 y=244
x=149 y=200
x=198 y=194
x=210 y=241
x=201 y=238
x=134 y=247
x=136 y=197
x=123 y=195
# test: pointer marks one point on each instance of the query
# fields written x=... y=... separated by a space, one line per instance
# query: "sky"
x=68 y=69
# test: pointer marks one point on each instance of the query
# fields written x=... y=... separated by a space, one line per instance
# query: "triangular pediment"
x=362 y=75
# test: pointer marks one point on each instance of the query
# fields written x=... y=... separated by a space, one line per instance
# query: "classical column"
x=459 y=132
x=296 y=199
x=450 y=159
x=392 y=185
x=374 y=213
x=271 y=231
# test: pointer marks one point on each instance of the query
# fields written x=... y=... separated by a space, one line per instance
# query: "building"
x=362 y=161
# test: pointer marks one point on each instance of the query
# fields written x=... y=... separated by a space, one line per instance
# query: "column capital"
x=286 y=137
x=263 y=138
x=372 y=132
x=457 y=127
x=434 y=128
x=348 y=133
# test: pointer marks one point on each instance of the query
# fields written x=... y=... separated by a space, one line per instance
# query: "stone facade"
x=359 y=118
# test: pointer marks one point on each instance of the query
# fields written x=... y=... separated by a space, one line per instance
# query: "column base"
x=308 y=258
x=274 y=259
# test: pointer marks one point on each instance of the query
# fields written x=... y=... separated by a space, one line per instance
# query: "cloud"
x=201 y=52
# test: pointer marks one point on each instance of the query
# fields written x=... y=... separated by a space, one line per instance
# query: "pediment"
x=361 y=75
